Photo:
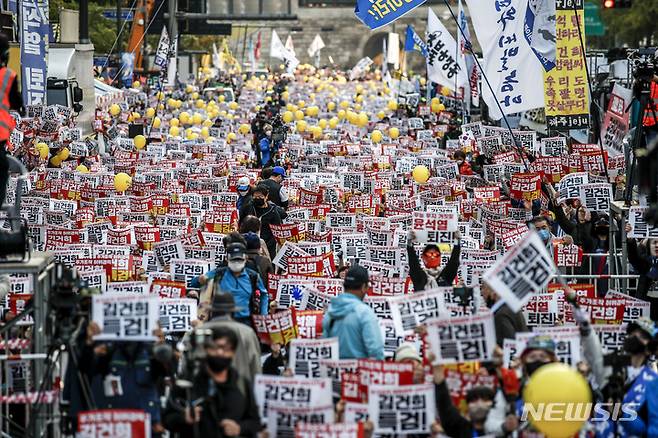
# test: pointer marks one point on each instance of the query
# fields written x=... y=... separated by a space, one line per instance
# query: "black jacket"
x=508 y=324
x=418 y=275
x=232 y=400
x=642 y=265
x=454 y=425
x=274 y=195
x=271 y=214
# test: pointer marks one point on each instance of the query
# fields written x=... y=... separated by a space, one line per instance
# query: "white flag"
x=522 y=272
x=444 y=66
x=509 y=62
x=215 y=56
x=393 y=55
x=279 y=51
x=162 y=54
x=290 y=46
x=172 y=70
x=315 y=46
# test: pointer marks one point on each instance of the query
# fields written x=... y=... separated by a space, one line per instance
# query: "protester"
x=277 y=193
x=247 y=352
x=268 y=213
x=220 y=401
x=244 y=190
x=353 y=322
x=251 y=224
x=507 y=323
x=432 y=275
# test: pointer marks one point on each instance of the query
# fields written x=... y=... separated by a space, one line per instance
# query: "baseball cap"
x=278 y=170
x=407 y=350
x=539 y=342
x=253 y=241
x=243 y=183
x=236 y=251
x=645 y=324
x=356 y=277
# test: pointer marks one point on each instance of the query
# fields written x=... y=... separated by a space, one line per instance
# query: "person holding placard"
x=432 y=275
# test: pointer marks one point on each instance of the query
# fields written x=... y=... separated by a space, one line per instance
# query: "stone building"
x=347 y=39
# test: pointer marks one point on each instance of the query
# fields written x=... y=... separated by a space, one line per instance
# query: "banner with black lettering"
x=402 y=410
x=462 y=338
x=125 y=317
x=305 y=355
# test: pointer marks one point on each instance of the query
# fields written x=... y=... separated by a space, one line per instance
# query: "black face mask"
x=602 y=231
x=633 y=345
x=259 y=202
x=531 y=367
x=218 y=364
x=490 y=302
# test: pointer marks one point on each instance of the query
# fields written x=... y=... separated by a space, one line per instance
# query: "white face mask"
x=236 y=265
x=243 y=192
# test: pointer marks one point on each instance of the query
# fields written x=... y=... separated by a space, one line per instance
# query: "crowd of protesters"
x=200 y=382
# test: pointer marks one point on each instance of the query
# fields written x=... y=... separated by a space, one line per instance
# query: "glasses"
x=432 y=255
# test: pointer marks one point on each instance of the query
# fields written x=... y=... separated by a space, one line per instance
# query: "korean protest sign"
x=567 y=255
x=461 y=338
x=376 y=15
x=283 y=419
x=114 y=422
x=566 y=338
x=442 y=67
x=523 y=271
x=378 y=372
x=275 y=328
x=640 y=229
x=34 y=50
x=402 y=410
x=336 y=430
x=125 y=317
x=334 y=369
x=596 y=196
x=305 y=355
x=309 y=323
x=428 y=226
x=177 y=314
x=566 y=96
x=410 y=311
x=292 y=391
x=526 y=186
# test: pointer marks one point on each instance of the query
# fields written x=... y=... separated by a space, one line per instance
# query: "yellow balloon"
x=43 y=150
x=150 y=112
x=376 y=136
x=56 y=161
x=195 y=95
x=363 y=119
x=207 y=123
x=122 y=181
x=210 y=139
x=184 y=117
x=205 y=133
x=233 y=105
x=392 y=105
x=244 y=129
x=288 y=116
x=341 y=114
x=344 y=104
x=445 y=91
x=231 y=136
x=359 y=98
x=333 y=122
x=331 y=106
x=435 y=107
x=359 y=88
x=285 y=95
x=301 y=125
x=82 y=168
x=174 y=122
x=357 y=107
x=115 y=110
x=322 y=123
x=171 y=102
x=200 y=103
x=136 y=115
x=435 y=101
x=571 y=395
x=178 y=104
x=394 y=133
x=174 y=131
x=189 y=89
x=420 y=174
x=139 y=141
x=222 y=98
x=301 y=104
x=157 y=122
x=159 y=95
x=136 y=84
x=299 y=115
x=197 y=118
x=441 y=107
x=63 y=154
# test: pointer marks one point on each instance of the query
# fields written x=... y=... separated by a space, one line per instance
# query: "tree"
x=634 y=26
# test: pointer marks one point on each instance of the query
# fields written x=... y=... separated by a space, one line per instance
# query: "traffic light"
x=617 y=4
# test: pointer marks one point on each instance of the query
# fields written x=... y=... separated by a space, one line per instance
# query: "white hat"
x=407 y=350
x=243 y=183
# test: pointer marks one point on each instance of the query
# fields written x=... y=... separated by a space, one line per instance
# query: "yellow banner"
x=566 y=93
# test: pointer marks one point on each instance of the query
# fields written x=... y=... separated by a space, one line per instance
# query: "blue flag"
x=34 y=50
x=380 y=13
x=412 y=41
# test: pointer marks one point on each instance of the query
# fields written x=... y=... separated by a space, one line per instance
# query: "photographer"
x=220 y=402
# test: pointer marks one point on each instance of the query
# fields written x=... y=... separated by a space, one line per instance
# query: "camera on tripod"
x=643 y=61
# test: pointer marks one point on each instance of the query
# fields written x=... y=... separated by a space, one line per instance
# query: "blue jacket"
x=652 y=408
x=240 y=288
x=264 y=150
x=640 y=393
x=356 y=326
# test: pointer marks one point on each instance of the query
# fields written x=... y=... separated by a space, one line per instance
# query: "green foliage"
x=631 y=26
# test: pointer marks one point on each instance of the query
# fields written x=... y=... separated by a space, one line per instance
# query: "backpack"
x=254 y=299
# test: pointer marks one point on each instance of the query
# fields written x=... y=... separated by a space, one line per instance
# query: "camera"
x=279 y=130
x=643 y=61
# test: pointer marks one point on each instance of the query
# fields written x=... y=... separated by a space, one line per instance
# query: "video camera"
x=279 y=130
x=643 y=61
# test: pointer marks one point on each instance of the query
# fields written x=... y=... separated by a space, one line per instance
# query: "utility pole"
x=83 y=21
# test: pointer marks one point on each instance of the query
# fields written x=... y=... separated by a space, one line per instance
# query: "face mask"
x=218 y=364
x=490 y=302
x=236 y=266
x=477 y=412
x=544 y=235
x=432 y=262
x=243 y=192
x=601 y=231
x=259 y=202
x=531 y=367
x=633 y=345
